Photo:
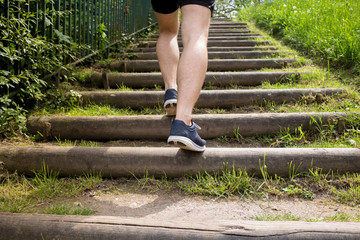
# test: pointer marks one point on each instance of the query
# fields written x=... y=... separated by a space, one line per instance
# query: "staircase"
x=235 y=57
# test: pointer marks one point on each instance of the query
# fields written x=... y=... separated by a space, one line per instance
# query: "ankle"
x=187 y=120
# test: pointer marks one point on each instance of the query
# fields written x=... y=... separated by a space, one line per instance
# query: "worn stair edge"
x=158 y=126
x=208 y=98
x=175 y=162
x=221 y=79
x=214 y=49
x=213 y=64
x=211 y=31
x=227 y=27
x=219 y=55
x=216 y=43
x=215 y=35
x=227 y=23
x=211 y=38
x=216 y=22
x=40 y=226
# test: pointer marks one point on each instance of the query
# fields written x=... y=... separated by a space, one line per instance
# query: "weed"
x=157 y=87
x=223 y=139
x=21 y=194
x=350 y=194
x=293 y=170
x=342 y=217
x=68 y=209
x=296 y=190
x=226 y=183
x=46 y=183
x=122 y=87
x=215 y=111
x=285 y=217
x=238 y=136
x=264 y=172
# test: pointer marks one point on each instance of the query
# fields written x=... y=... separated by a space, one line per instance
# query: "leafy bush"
x=25 y=59
x=329 y=29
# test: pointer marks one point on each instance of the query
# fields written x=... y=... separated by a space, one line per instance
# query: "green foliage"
x=25 y=58
x=323 y=28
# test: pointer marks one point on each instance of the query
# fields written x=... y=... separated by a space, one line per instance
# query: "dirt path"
x=178 y=207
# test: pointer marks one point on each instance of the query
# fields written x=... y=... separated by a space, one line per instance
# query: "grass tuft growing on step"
x=277 y=217
x=68 y=209
x=232 y=182
x=46 y=192
x=339 y=217
x=23 y=194
x=226 y=183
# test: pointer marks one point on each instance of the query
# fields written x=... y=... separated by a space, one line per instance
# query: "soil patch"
x=177 y=207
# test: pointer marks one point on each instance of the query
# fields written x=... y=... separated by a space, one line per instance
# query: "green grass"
x=68 y=209
x=326 y=29
x=278 y=217
x=226 y=183
x=70 y=143
x=88 y=110
x=231 y=182
x=23 y=194
x=343 y=133
x=342 y=217
x=46 y=192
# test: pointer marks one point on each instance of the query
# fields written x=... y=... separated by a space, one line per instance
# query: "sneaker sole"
x=185 y=143
x=170 y=107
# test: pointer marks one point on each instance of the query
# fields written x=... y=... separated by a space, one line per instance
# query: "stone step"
x=213 y=65
x=221 y=79
x=172 y=162
x=217 y=43
x=218 y=55
x=215 y=49
x=207 y=98
x=158 y=126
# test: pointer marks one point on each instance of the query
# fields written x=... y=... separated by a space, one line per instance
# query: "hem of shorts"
x=166 y=12
x=201 y=4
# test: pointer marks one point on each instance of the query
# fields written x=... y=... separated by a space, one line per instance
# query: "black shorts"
x=170 y=6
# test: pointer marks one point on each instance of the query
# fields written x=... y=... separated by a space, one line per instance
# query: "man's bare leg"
x=167 y=48
x=194 y=59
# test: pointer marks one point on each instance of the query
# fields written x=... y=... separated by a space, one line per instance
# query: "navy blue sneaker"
x=170 y=101
x=186 y=137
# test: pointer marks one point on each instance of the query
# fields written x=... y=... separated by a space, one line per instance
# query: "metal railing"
x=96 y=23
